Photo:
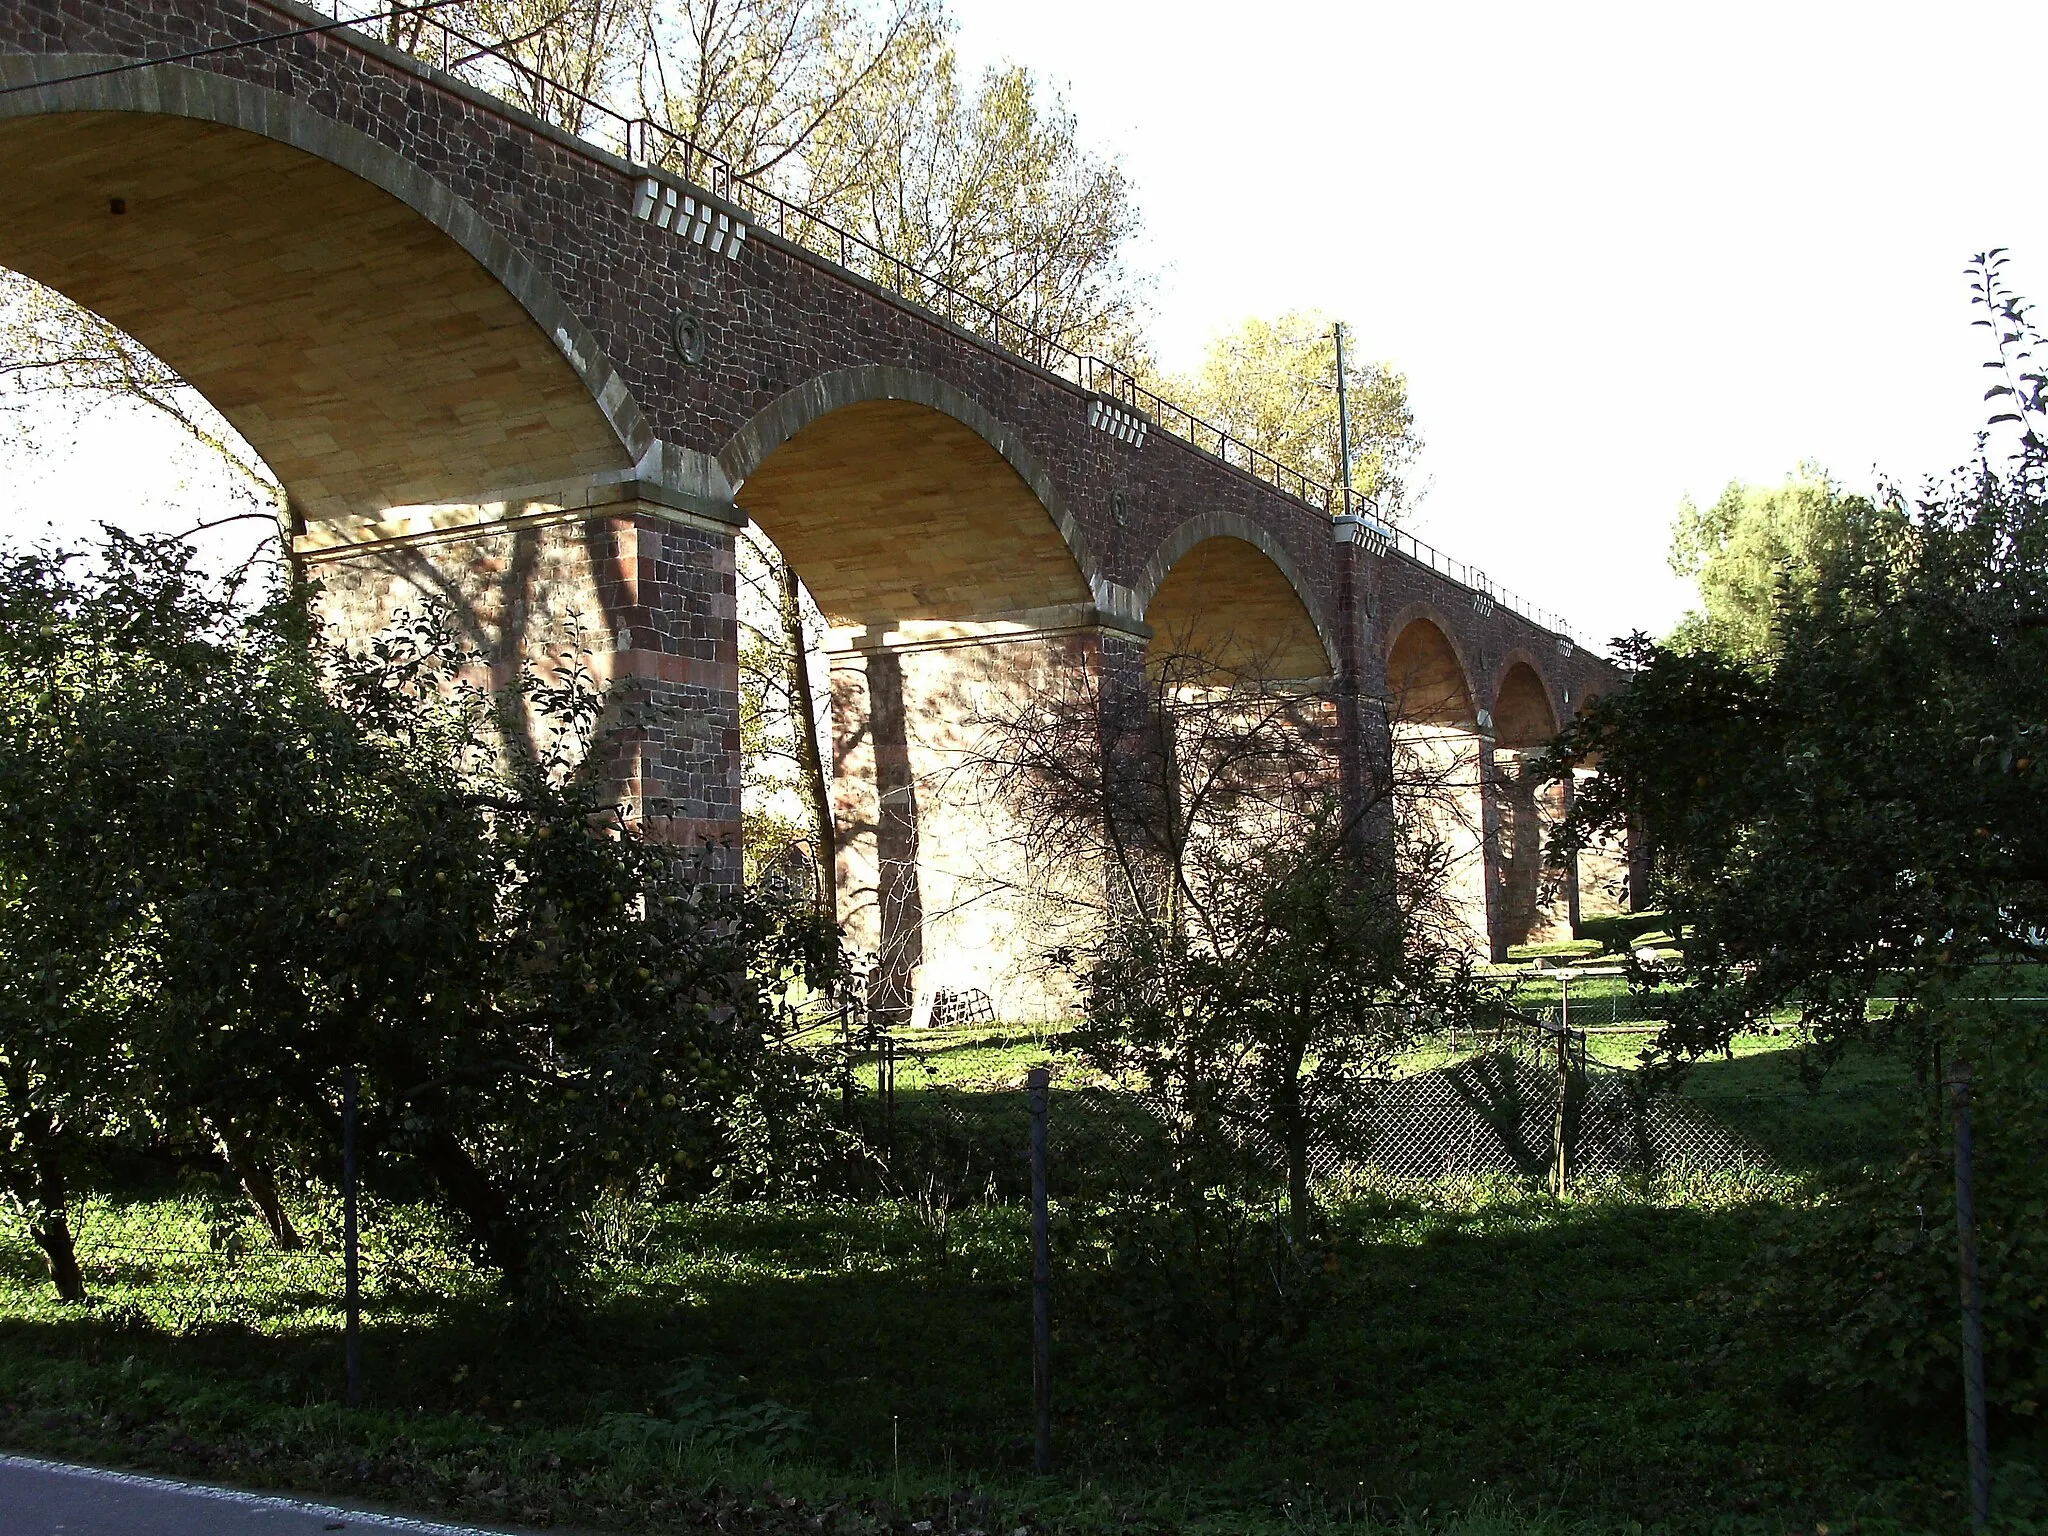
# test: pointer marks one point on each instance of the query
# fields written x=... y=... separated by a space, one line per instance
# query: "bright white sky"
x=1622 y=252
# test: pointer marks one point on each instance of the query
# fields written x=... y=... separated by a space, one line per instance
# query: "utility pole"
x=1343 y=421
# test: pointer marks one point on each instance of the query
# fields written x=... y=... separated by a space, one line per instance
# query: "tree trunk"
x=42 y=1193
x=51 y=1230
x=504 y=1239
x=38 y=1186
x=1294 y=1123
x=259 y=1182
x=811 y=762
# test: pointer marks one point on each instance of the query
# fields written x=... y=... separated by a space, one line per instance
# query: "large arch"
x=1532 y=902
x=1227 y=601
x=1426 y=677
x=1221 y=580
x=954 y=582
x=369 y=333
x=1524 y=717
x=1440 y=758
x=904 y=500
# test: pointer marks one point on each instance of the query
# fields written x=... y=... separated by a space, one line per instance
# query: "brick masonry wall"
x=645 y=603
x=773 y=322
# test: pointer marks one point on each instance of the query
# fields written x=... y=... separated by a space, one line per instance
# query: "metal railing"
x=642 y=142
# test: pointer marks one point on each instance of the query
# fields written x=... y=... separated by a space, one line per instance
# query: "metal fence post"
x=1041 y=1277
x=1973 y=1305
x=1560 y=1145
x=351 y=1258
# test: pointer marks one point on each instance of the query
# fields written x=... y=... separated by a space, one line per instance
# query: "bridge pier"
x=1531 y=902
x=937 y=879
x=616 y=575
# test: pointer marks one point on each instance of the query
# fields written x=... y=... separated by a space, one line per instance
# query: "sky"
x=1622 y=253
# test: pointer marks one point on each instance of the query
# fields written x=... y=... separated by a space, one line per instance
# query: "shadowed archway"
x=1533 y=903
x=945 y=577
x=1440 y=766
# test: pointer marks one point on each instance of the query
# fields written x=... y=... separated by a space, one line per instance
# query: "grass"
x=1490 y=1360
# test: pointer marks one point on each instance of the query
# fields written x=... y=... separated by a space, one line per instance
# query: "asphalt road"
x=49 y=1498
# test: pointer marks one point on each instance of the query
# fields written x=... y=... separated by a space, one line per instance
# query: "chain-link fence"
x=1553 y=1076
x=939 y=1119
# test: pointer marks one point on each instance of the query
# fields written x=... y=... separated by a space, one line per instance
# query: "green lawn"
x=1490 y=1359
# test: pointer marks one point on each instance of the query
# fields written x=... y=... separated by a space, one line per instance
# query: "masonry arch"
x=1427 y=680
x=907 y=504
x=1222 y=586
x=1533 y=902
x=953 y=581
x=1524 y=717
x=369 y=333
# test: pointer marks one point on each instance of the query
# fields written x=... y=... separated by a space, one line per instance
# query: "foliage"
x=990 y=189
x=1867 y=1284
x=1759 y=550
x=379 y=870
x=588 y=46
x=1272 y=384
x=1253 y=966
x=1860 y=817
x=1851 y=827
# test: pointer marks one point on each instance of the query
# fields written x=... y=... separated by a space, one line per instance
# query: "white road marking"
x=163 y=1500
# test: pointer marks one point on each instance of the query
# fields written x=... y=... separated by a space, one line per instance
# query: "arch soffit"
x=789 y=413
x=172 y=90
x=1518 y=656
x=1204 y=526
x=1429 y=614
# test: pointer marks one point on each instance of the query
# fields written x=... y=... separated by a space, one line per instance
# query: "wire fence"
x=1549 y=1089
x=1552 y=1087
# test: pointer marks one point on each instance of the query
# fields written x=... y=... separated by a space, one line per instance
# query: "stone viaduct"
x=495 y=361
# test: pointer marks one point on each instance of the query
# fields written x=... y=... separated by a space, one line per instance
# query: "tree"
x=97 y=698
x=269 y=868
x=1272 y=384
x=756 y=82
x=782 y=758
x=564 y=54
x=991 y=192
x=1247 y=970
x=1849 y=825
x=1253 y=969
x=1758 y=548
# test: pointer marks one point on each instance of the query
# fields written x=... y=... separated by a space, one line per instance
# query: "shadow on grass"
x=1496 y=1343
x=1862 y=1111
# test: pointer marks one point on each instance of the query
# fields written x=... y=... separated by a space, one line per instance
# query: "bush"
x=241 y=873
x=1866 y=1285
